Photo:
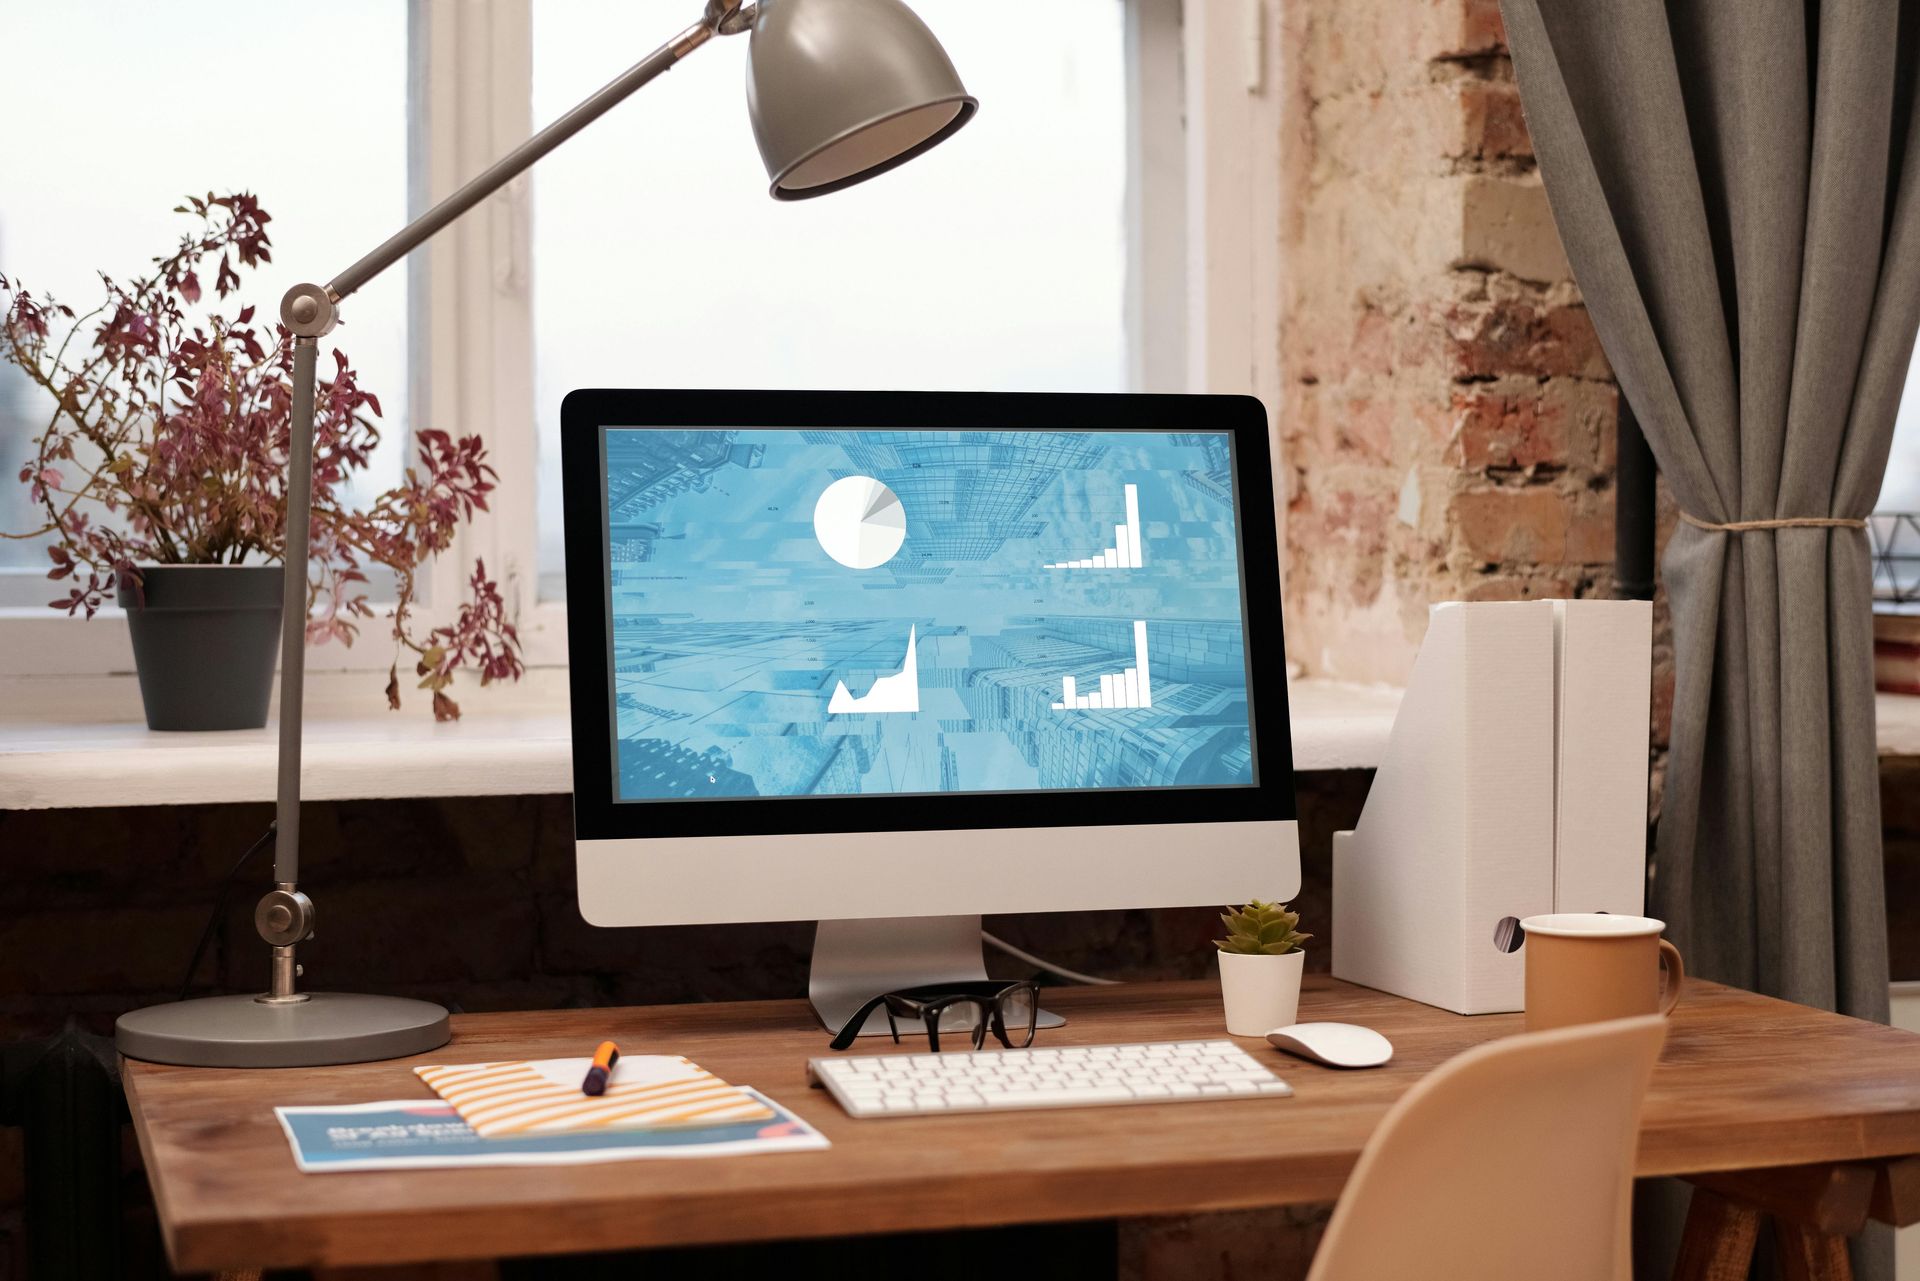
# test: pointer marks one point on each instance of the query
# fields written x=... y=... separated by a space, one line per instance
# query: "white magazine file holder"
x=1517 y=766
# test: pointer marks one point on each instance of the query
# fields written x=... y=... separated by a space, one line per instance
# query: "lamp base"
x=240 y=1031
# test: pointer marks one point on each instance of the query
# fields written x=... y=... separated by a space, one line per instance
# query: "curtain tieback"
x=1792 y=522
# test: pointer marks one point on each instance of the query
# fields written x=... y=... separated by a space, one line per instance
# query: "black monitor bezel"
x=598 y=816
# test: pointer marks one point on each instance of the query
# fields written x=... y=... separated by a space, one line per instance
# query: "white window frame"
x=1203 y=297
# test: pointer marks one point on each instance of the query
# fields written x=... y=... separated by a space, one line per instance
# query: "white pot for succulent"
x=1261 y=992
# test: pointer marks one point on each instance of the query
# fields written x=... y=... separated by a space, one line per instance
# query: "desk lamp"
x=838 y=91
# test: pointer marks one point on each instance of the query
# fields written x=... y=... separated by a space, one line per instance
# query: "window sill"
x=72 y=742
x=1899 y=721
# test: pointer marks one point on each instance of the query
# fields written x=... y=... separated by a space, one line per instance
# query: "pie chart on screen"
x=860 y=522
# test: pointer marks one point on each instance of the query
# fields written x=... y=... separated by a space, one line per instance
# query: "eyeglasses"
x=1009 y=1010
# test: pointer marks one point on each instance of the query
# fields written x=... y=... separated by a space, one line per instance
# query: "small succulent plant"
x=1261 y=929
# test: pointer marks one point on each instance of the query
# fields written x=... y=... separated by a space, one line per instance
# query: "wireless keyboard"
x=1072 y=1076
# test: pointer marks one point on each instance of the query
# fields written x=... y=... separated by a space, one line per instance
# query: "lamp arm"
x=518 y=161
x=285 y=916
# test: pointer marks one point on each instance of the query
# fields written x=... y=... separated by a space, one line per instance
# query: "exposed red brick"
x=1528 y=526
x=1507 y=227
x=1492 y=126
x=1509 y=428
x=1590 y=530
x=1490 y=339
x=1481 y=28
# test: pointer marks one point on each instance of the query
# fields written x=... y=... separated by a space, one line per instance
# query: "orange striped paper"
x=646 y=1091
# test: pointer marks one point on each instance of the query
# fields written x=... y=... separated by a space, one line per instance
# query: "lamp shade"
x=842 y=90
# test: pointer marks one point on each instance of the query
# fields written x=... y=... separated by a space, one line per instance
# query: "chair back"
x=1512 y=1160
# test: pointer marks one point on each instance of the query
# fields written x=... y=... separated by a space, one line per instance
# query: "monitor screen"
x=811 y=613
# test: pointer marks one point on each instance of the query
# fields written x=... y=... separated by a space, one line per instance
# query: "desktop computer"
x=891 y=660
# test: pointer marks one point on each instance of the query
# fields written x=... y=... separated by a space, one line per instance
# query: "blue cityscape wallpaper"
x=806 y=613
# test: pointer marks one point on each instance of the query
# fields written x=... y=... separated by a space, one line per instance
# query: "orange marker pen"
x=603 y=1060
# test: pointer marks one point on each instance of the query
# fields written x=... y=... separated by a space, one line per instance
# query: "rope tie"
x=1791 y=522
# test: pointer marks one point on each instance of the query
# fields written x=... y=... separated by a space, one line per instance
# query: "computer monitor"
x=891 y=660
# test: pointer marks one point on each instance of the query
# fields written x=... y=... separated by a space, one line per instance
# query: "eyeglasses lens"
x=1018 y=1011
x=962 y=1022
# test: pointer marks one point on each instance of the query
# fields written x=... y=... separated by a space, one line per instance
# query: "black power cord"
x=220 y=907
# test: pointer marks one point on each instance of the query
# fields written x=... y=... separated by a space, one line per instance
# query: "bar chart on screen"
x=1130 y=687
x=1125 y=552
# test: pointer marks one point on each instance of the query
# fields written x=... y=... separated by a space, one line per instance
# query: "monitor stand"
x=854 y=961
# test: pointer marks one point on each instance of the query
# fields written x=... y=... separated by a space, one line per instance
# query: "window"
x=145 y=104
x=1900 y=492
x=1098 y=207
x=996 y=263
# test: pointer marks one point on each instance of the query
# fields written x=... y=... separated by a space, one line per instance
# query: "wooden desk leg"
x=238 y=1274
x=1718 y=1242
x=1810 y=1255
x=1896 y=1191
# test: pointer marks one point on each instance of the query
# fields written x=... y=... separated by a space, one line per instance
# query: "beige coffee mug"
x=1586 y=967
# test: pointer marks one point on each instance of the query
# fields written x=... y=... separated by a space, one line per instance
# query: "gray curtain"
x=1737 y=183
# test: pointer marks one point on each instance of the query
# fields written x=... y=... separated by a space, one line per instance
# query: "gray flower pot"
x=204 y=642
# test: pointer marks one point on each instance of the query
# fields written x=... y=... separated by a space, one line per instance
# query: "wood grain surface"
x=1807 y=1255
x=1744 y=1082
x=1720 y=1235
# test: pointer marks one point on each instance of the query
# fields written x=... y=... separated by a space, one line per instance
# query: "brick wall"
x=1447 y=415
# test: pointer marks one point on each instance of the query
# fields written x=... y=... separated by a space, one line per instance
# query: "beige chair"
x=1513 y=1160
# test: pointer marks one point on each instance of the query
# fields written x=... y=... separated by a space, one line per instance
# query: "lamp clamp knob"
x=284 y=917
x=309 y=311
x=730 y=17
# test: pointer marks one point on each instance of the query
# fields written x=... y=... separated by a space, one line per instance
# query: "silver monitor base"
x=243 y=1031
x=855 y=961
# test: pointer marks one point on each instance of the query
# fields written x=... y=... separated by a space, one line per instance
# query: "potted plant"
x=161 y=476
x=1260 y=967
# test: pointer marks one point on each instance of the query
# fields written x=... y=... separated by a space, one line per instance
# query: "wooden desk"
x=1745 y=1082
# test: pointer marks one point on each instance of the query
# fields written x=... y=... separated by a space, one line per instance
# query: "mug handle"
x=1676 y=976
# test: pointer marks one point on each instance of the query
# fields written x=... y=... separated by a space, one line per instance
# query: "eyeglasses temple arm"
x=851 y=1032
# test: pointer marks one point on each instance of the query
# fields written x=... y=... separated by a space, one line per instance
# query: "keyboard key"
x=1053 y=1098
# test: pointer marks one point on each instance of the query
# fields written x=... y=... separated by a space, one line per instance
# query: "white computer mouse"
x=1344 y=1045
